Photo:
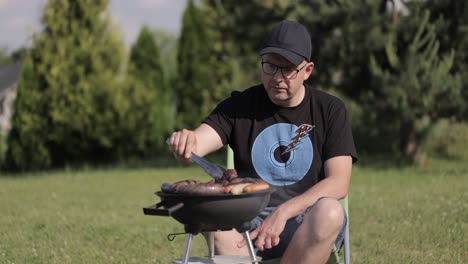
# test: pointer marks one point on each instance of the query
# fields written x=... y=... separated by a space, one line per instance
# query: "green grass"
x=399 y=215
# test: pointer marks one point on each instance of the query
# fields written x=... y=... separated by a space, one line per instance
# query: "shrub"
x=447 y=139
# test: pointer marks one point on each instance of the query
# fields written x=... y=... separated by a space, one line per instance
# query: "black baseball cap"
x=289 y=39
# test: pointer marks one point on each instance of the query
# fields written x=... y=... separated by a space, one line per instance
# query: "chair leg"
x=347 y=253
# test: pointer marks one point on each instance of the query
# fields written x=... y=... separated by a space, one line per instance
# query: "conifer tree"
x=146 y=67
x=414 y=82
x=193 y=90
x=451 y=24
x=26 y=145
x=75 y=109
x=387 y=61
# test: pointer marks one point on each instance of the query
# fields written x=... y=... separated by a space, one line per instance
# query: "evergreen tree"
x=391 y=63
x=451 y=25
x=414 y=83
x=236 y=30
x=71 y=108
x=387 y=61
x=193 y=90
x=26 y=145
x=167 y=44
x=146 y=66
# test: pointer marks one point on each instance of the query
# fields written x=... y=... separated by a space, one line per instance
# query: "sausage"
x=209 y=188
x=244 y=180
x=228 y=176
x=229 y=183
x=235 y=188
x=167 y=187
x=183 y=186
x=256 y=187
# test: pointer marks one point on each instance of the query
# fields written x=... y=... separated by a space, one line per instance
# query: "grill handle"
x=156 y=210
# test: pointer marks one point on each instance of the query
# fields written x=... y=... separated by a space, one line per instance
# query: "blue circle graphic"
x=273 y=143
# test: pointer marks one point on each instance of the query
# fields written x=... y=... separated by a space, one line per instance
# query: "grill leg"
x=188 y=244
x=210 y=238
x=251 y=247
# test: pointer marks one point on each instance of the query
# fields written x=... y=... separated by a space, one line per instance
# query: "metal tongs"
x=214 y=170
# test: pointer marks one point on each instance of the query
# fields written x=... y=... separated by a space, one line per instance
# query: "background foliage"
x=193 y=88
x=401 y=71
x=149 y=72
x=74 y=104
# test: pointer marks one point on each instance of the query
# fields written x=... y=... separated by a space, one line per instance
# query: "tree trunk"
x=409 y=142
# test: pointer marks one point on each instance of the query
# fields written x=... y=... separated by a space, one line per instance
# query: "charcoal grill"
x=209 y=213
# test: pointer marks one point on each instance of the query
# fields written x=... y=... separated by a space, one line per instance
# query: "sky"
x=19 y=18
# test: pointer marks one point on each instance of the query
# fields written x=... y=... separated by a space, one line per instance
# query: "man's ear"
x=308 y=70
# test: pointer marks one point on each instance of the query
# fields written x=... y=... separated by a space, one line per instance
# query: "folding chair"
x=338 y=256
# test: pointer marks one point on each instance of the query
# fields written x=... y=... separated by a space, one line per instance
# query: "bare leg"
x=226 y=243
x=314 y=239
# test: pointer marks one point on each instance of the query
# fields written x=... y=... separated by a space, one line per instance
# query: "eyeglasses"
x=287 y=72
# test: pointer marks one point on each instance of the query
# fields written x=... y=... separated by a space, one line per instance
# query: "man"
x=294 y=137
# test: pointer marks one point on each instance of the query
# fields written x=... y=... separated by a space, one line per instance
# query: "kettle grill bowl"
x=215 y=212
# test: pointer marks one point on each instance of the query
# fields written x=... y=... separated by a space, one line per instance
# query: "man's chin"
x=279 y=99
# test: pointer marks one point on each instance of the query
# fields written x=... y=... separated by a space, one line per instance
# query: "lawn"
x=397 y=215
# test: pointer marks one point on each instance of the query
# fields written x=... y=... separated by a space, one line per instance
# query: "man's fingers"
x=252 y=234
x=267 y=242
x=260 y=243
x=190 y=142
x=241 y=243
x=182 y=144
x=275 y=241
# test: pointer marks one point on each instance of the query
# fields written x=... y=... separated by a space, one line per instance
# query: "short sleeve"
x=221 y=120
x=338 y=135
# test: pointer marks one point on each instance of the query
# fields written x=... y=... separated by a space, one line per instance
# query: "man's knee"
x=325 y=219
x=225 y=243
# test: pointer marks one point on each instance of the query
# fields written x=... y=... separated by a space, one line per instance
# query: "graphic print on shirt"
x=283 y=153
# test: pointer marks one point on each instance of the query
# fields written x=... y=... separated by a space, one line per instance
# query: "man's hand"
x=267 y=234
x=182 y=144
x=201 y=141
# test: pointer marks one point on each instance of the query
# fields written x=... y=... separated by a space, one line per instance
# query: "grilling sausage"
x=193 y=187
x=244 y=180
x=176 y=187
x=209 y=188
x=229 y=183
x=235 y=188
x=256 y=187
x=230 y=174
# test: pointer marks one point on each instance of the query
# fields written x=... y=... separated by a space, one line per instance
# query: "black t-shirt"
x=285 y=146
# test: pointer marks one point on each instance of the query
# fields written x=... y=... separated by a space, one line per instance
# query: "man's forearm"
x=325 y=188
x=335 y=185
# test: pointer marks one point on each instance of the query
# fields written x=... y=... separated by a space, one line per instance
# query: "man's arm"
x=335 y=185
x=201 y=141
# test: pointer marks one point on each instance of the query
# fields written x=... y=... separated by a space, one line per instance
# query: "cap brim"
x=289 y=55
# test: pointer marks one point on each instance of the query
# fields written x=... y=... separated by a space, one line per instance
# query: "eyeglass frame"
x=282 y=73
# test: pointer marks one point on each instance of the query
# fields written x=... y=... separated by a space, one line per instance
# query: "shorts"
x=288 y=232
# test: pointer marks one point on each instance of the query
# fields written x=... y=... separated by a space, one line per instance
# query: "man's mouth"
x=278 y=88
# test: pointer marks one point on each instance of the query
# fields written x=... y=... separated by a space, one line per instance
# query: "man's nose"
x=278 y=76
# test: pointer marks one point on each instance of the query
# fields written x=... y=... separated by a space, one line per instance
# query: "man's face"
x=284 y=90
